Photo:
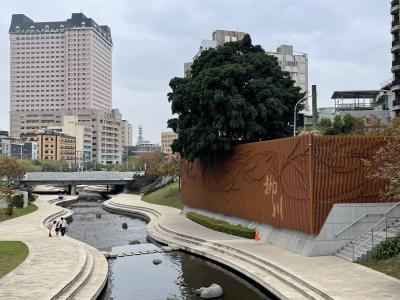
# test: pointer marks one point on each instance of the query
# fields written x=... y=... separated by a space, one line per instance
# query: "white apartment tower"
x=59 y=65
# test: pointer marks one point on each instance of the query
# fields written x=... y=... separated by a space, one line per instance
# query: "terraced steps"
x=265 y=273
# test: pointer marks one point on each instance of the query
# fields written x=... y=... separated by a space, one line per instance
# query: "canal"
x=136 y=277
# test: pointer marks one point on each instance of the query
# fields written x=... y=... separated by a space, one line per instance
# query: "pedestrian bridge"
x=72 y=179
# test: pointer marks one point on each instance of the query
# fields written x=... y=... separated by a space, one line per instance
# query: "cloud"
x=348 y=43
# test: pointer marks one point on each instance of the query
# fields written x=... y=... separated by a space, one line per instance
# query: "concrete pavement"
x=286 y=274
x=57 y=267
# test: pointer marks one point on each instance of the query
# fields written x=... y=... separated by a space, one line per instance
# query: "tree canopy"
x=236 y=93
x=349 y=125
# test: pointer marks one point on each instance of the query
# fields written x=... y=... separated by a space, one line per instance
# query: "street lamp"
x=295 y=114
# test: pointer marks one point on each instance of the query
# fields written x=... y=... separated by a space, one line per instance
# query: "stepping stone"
x=121 y=255
x=113 y=256
x=166 y=249
x=135 y=253
x=144 y=252
x=128 y=254
x=152 y=251
x=106 y=254
x=173 y=247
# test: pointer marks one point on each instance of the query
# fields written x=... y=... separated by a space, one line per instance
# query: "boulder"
x=124 y=226
x=157 y=261
x=213 y=291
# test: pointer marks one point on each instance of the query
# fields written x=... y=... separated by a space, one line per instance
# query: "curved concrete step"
x=162 y=234
x=83 y=261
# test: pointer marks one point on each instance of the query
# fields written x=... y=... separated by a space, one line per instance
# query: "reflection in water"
x=136 y=277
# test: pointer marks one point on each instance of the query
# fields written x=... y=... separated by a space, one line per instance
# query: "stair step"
x=84 y=276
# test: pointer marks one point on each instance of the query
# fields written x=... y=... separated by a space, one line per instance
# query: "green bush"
x=221 y=226
x=388 y=248
x=18 y=201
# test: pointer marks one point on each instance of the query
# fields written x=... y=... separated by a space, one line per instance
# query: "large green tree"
x=236 y=93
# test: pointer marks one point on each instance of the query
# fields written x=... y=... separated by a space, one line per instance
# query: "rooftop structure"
x=363 y=103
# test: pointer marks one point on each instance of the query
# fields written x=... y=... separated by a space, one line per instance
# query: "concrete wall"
x=326 y=242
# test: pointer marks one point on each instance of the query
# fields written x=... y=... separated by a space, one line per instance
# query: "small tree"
x=171 y=166
x=385 y=165
x=11 y=170
x=7 y=194
x=151 y=162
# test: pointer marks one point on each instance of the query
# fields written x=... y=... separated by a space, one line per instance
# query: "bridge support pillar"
x=73 y=189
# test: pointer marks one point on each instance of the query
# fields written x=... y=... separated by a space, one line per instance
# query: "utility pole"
x=314 y=106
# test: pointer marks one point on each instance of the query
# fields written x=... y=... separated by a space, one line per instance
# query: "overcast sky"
x=348 y=43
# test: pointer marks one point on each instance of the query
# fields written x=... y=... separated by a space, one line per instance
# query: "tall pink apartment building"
x=58 y=67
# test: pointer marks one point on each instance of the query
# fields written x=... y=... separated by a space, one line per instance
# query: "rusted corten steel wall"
x=289 y=183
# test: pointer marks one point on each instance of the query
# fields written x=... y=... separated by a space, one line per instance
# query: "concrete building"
x=106 y=129
x=64 y=68
x=53 y=146
x=395 y=30
x=143 y=148
x=83 y=137
x=294 y=63
x=167 y=138
x=15 y=147
x=59 y=65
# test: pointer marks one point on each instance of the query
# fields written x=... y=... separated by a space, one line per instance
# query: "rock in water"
x=124 y=225
x=213 y=291
x=98 y=216
x=172 y=297
x=157 y=261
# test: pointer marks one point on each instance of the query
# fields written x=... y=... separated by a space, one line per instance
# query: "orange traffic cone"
x=256 y=237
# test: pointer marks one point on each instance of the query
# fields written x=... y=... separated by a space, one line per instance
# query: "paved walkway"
x=57 y=267
x=294 y=276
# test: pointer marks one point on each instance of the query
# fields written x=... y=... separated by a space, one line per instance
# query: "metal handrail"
x=364 y=216
x=385 y=228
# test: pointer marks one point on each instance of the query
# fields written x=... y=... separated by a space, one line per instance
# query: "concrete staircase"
x=281 y=283
x=92 y=276
x=364 y=245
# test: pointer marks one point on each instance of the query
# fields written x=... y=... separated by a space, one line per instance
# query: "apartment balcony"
x=396 y=65
x=395 y=86
x=395 y=22
x=395 y=42
x=395 y=7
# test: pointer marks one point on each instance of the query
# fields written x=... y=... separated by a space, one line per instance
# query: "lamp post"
x=295 y=114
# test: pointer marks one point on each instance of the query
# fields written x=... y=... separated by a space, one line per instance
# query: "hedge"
x=18 y=200
x=221 y=226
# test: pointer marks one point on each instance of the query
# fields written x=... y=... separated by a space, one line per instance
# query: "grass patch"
x=168 y=195
x=18 y=212
x=11 y=255
x=390 y=266
x=221 y=226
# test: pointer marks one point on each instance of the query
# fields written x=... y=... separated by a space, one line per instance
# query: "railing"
x=395 y=23
x=384 y=214
x=379 y=229
x=396 y=62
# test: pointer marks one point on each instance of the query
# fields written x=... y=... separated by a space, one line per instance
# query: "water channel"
x=136 y=277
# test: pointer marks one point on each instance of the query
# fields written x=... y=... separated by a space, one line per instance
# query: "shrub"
x=221 y=226
x=388 y=248
x=18 y=201
x=139 y=182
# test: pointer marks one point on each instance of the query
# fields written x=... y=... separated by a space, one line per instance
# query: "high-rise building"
x=395 y=9
x=64 y=68
x=53 y=146
x=294 y=63
x=167 y=139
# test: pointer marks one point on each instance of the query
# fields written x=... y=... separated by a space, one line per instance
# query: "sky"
x=348 y=43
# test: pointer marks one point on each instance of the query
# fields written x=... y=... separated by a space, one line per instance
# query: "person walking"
x=58 y=226
x=63 y=226
x=50 y=226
